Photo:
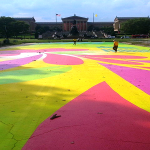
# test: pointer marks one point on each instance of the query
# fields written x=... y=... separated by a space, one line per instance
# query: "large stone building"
x=66 y=24
x=119 y=20
x=29 y=21
x=51 y=25
x=101 y=24
x=81 y=23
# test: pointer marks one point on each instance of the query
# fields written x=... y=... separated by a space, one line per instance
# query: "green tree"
x=56 y=29
x=41 y=29
x=10 y=27
x=90 y=28
x=19 y=27
x=108 y=30
x=96 y=29
x=136 y=26
x=6 y=28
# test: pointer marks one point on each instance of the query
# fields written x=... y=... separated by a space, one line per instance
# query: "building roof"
x=101 y=23
x=24 y=18
x=75 y=18
x=126 y=18
x=52 y=23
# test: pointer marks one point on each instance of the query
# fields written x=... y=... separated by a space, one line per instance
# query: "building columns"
x=80 y=24
x=69 y=26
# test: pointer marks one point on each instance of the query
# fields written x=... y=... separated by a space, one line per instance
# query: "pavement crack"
x=4 y=123
x=9 y=131
x=134 y=142
x=55 y=129
x=124 y=141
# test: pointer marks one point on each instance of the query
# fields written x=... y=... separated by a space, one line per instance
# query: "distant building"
x=29 y=21
x=66 y=24
x=51 y=25
x=81 y=23
x=101 y=24
x=119 y=20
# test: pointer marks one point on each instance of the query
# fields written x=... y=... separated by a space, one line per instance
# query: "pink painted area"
x=115 y=56
x=98 y=119
x=4 y=55
x=112 y=60
x=62 y=60
x=146 y=67
x=138 y=77
x=15 y=52
x=146 y=61
x=119 y=61
x=60 y=49
x=17 y=62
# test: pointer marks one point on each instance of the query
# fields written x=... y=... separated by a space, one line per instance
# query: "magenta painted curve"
x=4 y=55
x=62 y=60
x=15 y=52
x=98 y=58
x=18 y=52
x=146 y=67
x=97 y=119
x=138 y=77
x=60 y=49
x=145 y=61
x=17 y=62
x=115 y=56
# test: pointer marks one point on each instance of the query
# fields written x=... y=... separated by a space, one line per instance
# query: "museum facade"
x=82 y=23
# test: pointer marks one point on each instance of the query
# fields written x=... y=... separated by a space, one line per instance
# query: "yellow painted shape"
x=25 y=105
x=127 y=90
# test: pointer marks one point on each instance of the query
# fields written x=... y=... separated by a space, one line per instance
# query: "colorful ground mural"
x=103 y=97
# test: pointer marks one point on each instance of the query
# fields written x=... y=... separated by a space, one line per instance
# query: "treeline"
x=9 y=27
x=136 y=26
x=42 y=29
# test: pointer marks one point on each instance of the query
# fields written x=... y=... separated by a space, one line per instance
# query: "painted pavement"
x=103 y=97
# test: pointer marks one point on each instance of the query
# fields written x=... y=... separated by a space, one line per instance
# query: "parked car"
x=125 y=37
x=140 y=36
x=110 y=37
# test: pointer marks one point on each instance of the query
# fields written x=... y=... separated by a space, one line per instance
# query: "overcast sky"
x=45 y=10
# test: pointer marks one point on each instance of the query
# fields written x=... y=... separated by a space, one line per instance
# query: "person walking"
x=74 y=40
x=115 y=47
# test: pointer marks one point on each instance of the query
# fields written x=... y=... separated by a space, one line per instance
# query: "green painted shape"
x=31 y=74
x=80 y=45
x=6 y=135
x=20 y=117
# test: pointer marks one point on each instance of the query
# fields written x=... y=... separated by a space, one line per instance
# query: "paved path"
x=102 y=97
